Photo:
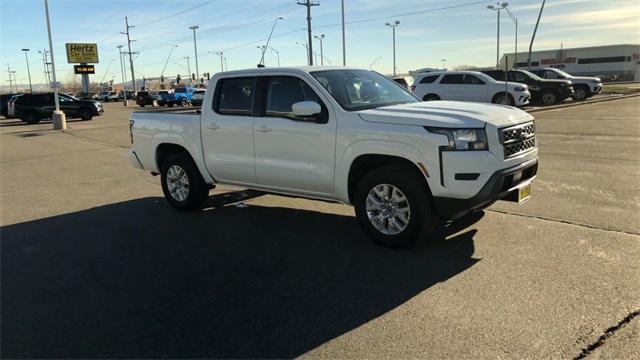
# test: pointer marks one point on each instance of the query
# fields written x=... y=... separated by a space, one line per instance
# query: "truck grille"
x=518 y=139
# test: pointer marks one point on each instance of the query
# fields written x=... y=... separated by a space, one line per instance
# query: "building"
x=611 y=62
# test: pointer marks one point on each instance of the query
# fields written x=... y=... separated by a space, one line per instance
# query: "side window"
x=235 y=96
x=429 y=79
x=451 y=79
x=548 y=74
x=283 y=92
x=518 y=77
x=472 y=80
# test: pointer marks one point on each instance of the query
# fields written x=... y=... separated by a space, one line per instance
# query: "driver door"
x=293 y=153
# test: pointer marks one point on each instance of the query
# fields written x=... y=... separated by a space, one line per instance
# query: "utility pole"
x=321 y=37
x=124 y=89
x=58 y=117
x=534 y=34
x=133 y=74
x=394 y=26
x=195 y=48
x=10 y=81
x=309 y=4
x=188 y=68
x=344 y=46
x=167 y=61
x=28 y=70
x=45 y=65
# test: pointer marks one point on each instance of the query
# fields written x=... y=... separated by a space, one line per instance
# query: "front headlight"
x=463 y=139
x=520 y=88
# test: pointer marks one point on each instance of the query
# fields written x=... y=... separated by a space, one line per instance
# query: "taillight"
x=413 y=87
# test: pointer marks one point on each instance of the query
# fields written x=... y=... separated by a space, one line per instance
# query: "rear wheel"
x=503 y=99
x=393 y=206
x=170 y=104
x=431 y=97
x=184 y=102
x=182 y=184
x=31 y=117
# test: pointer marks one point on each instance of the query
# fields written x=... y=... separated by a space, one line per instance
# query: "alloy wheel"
x=388 y=209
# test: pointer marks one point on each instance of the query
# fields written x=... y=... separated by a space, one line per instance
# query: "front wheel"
x=170 y=104
x=581 y=93
x=503 y=99
x=182 y=184
x=86 y=114
x=31 y=117
x=431 y=97
x=393 y=207
x=184 y=102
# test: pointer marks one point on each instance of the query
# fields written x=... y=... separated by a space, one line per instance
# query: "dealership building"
x=611 y=62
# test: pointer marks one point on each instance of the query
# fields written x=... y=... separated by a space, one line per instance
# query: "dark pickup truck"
x=543 y=91
x=31 y=108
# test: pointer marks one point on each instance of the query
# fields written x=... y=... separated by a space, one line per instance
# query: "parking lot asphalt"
x=95 y=264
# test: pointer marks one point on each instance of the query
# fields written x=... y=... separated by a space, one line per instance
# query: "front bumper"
x=565 y=92
x=501 y=185
x=596 y=89
x=523 y=99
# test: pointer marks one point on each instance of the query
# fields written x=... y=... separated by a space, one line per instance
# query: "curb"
x=588 y=102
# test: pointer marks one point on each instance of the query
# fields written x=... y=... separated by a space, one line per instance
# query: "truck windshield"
x=361 y=89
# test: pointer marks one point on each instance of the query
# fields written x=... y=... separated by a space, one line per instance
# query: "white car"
x=469 y=86
x=341 y=135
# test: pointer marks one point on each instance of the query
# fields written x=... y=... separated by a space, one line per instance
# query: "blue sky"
x=426 y=34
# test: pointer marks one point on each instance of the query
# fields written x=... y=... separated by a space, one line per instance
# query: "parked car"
x=183 y=95
x=4 y=100
x=131 y=95
x=401 y=81
x=545 y=92
x=198 y=97
x=85 y=96
x=144 y=98
x=167 y=98
x=342 y=135
x=584 y=87
x=31 y=108
x=107 y=96
x=469 y=86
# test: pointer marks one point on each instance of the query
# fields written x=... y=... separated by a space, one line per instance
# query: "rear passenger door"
x=293 y=153
x=451 y=87
x=227 y=131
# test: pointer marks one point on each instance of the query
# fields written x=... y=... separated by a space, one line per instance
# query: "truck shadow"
x=137 y=279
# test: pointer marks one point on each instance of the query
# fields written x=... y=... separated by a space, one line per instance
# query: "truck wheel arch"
x=365 y=163
x=165 y=149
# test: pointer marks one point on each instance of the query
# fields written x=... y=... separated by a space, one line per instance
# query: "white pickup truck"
x=343 y=135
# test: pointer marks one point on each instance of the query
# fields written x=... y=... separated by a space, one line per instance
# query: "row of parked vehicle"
x=180 y=96
x=546 y=86
x=32 y=108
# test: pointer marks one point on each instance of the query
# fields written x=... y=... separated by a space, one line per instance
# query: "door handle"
x=263 y=129
x=213 y=126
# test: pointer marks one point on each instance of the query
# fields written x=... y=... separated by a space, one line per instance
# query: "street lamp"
x=59 y=119
x=124 y=81
x=277 y=54
x=515 y=21
x=28 y=71
x=265 y=46
x=195 y=48
x=393 y=26
x=321 y=37
x=221 y=54
x=374 y=61
x=306 y=54
x=443 y=61
x=499 y=6
x=188 y=67
x=262 y=49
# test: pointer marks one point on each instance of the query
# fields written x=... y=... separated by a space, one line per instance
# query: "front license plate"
x=524 y=193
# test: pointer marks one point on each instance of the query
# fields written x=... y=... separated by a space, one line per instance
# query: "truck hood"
x=446 y=114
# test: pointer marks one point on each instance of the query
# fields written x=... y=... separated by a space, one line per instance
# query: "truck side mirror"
x=306 y=108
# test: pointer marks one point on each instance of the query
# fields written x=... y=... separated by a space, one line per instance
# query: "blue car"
x=183 y=95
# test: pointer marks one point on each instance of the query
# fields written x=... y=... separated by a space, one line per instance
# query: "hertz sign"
x=84 y=69
x=82 y=53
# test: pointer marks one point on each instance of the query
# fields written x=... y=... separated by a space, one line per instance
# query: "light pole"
x=58 y=117
x=515 y=21
x=264 y=48
x=28 y=70
x=393 y=26
x=167 y=61
x=344 y=51
x=306 y=53
x=124 y=86
x=321 y=37
x=499 y=6
x=374 y=61
x=195 y=49
x=277 y=54
x=443 y=61
x=188 y=67
x=221 y=54
x=45 y=64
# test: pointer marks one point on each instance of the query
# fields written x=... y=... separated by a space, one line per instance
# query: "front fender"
x=372 y=147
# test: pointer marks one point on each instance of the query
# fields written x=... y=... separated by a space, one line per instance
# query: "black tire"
x=31 y=117
x=86 y=114
x=581 y=93
x=549 y=98
x=170 y=104
x=197 y=189
x=503 y=99
x=142 y=105
x=184 y=102
x=421 y=218
x=431 y=97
